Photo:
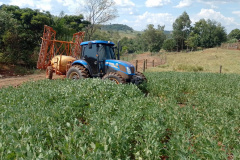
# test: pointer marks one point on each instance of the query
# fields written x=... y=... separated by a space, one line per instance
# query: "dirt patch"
x=18 y=80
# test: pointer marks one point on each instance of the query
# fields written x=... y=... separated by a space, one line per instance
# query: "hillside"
x=207 y=60
x=116 y=27
x=126 y=31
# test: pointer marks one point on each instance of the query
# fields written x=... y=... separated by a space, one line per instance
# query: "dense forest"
x=21 y=30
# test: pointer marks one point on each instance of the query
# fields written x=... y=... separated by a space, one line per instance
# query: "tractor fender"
x=83 y=63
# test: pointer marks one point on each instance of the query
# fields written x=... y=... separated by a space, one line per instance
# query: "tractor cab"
x=95 y=53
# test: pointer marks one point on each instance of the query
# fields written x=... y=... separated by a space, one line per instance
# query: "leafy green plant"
x=183 y=116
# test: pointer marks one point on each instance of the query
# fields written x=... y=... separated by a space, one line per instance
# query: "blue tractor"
x=98 y=59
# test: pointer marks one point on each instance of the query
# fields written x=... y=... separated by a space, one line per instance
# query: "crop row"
x=184 y=115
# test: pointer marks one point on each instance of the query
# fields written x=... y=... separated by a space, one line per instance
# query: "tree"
x=154 y=37
x=210 y=33
x=169 y=44
x=98 y=12
x=192 y=41
x=21 y=30
x=67 y=25
x=234 y=34
x=181 y=29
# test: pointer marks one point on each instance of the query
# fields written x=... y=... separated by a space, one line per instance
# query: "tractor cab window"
x=105 y=52
x=90 y=52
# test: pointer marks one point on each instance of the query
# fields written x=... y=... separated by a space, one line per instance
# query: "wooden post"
x=220 y=69
x=144 y=65
x=136 y=65
x=153 y=63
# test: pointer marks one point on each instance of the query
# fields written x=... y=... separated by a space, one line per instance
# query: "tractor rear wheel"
x=49 y=72
x=112 y=76
x=77 y=72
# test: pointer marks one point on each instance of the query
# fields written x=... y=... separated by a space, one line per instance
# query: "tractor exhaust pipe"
x=118 y=56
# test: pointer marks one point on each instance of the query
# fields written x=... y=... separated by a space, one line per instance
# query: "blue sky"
x=138 y=13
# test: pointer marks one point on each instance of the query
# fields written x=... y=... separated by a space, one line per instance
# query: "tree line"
x=185 y=36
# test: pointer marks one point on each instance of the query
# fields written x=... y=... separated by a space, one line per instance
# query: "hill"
x=116 y=27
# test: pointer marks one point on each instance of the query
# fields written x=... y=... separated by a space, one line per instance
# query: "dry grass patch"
x=208 y=60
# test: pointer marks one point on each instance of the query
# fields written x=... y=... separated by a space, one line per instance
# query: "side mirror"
x=90 y=45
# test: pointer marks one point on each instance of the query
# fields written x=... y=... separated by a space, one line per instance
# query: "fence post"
x=220 y=69
x=144 y=65
x=153 y=63
x=136 y=65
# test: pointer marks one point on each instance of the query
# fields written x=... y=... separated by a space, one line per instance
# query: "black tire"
x=77 y=72
x=112 y=76
x=141 y=75
x=49 y=72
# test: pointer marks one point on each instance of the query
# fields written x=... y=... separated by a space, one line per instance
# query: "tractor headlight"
x=128 y=70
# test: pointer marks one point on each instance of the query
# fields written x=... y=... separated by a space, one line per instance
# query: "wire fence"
x=143 y=62
x=234 y=46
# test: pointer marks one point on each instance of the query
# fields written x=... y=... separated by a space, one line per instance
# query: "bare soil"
x=18 y=80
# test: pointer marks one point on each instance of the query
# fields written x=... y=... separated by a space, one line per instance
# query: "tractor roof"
x=97 y=42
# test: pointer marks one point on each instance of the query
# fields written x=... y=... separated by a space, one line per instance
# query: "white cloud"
x=67 y=2
x=153 y=18
x=40 y=4
x=237 y=13
x=124 y=3
x=214 y=3
x=156 y=3
x=128 y=11
x=184 y=3
x=72 y=6
x=218 y=1
x=1 y=3
x=217 y=16
x=22 y=3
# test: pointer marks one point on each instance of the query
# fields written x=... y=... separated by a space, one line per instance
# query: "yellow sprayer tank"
x=60 y=62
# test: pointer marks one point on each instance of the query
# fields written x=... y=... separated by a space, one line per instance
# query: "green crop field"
x=173 y=116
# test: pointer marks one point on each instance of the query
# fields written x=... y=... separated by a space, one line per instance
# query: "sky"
x=139 y=13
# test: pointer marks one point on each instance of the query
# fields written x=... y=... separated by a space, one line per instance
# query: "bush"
x=188 y=68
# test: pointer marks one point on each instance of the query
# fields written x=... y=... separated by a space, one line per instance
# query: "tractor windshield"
x=106 y=52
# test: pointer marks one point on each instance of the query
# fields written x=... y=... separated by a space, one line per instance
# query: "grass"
x=208 y=60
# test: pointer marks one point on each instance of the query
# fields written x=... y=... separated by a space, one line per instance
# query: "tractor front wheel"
x=114 y=77
x=138 y=78
x=77 y=72
x=141 y=75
